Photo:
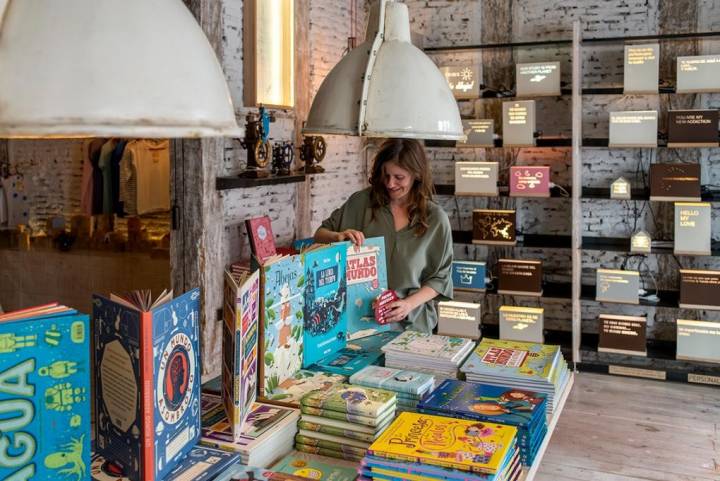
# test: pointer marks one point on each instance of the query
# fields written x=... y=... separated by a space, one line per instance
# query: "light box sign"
x=698 y=341
x=519 y=124
x=521 y=324
x=699 y=289
x=641 y=242
x=476 y=178
x=468 y=276
x=463 y=80
x=537 y=79
x=622 y=335
x=692 y=228
x=633 y=129
x=698 y=74
x=494 y=227
x=478 y=132
x=459 y=319
x=529 y=181
x=614 y=285
x=620 y=189
x=520 y=277
x=641 y=69
x=675 y=182
x=693 y=128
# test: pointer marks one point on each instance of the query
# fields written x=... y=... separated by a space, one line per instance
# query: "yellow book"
x=453 y=443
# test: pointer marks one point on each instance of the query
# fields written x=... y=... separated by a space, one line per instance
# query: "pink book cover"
x=530 y=181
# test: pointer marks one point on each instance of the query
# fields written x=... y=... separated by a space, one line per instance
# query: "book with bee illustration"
x=147 y=376
x=45 y=393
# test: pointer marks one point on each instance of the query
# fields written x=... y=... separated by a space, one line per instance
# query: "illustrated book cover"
x=521 y=360
x=344 y=398
x=262 y=240
x=291 y=390
x=397 y=380
x=313 y=468
x=429 y=345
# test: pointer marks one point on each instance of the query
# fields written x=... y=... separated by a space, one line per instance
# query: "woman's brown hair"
x=408 y=154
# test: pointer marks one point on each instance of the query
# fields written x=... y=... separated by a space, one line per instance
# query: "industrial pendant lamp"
x=386 y=87
x=109 y=68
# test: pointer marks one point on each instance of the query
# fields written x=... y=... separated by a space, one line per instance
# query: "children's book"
x=325 y=302
x=344 y=425
x=147 y=377
x=344 y=398
x=397 y=380
x=420 y=344
x=262 y=240
x=348 y=417
x=291 y=390
x=45 y=393
x=522 y=360
x=347 y=453
x=313 y=468
x=374 y=342
x=420 y=472
x=329 y=441
x=346 y=433
x=348 y=361
x=241 y=472
x=240 y=337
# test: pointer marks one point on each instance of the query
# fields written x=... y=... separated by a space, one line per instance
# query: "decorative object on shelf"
x=620 y=189
x=468 y=276
x=283 y=157
x=633 y=129
x=692 y=228
x=693 y=128
x=479 y=133
x=537 y=79
x=463 y=80
x=520 y=277
x=675 y=182
x=519 y=124
x=382 y=303
x=476 y=178
x=616 y=285
x=699 y=73
x=699 y=289
x=522 y=324
x=642 y=67
x=494 y=227
x=622 y=335
x=640 y=242
x=698 y=341
x=459 y=319
x=259 y=149
x=530 y=181
x=312 y=152
x=262 y=239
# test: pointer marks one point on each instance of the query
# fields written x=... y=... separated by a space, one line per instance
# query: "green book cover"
x=353 y=418
x=329 y=441
x=365 y=401
x=348 y=455
x=335 y=431
x=304 y=466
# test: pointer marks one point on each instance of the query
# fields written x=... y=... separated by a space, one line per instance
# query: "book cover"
x=45 y=393
x=373 y=429
x=455 y=443
x=622 y=335
x=428 y=345
x=633 y=129
x=282 y=284
x=468 y=276
x=396 y=380
x=516 y=359
x=374 y=342
x=693 y=228
x=365 y=401
x=292 y=389
x=642 y=68
x=147 y=383
x=698 y=73
x=262 y=240
x=692 y=128
x=538 y=79
x=530 y=181
x=241 y=311
x=519 y=124
x=476 y=178
x=240 y=472
x=494 y=227
x=347 y=417
x=348 y=361
x=366 y=271
x=615 y=285
x=406 y=471
x=325 y=325
x=459 y=319
x=675 y=182
x=520 y=277
x=347 y=453
x=698 y=341
x=522 y=323
x=699 y=289
x=335 y=431
x=313 y=468
x=313 y=438
x=478 y=132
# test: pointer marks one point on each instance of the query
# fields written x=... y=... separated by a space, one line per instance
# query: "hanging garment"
x=105 y=165
x=115 y=158
x=146 y=170
x=3 y=208
x=17 y=190
x=91 y=149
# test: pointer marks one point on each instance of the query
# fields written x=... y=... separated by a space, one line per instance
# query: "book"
x=698 y=73
x=521 y=323
x=325 y=325
x=693 y=229
x=520 y=277
x=468 y=276
x=147 y=380
x=692 y=128
x=478 y=132
x=538 y=79
x=45 y=393
x=241 y=310
x=698 y=341
x=262 y=240
x=615 y=285
x=344 y=398
x=519 y=123
x=529 y=181
x=372 y=422
x=459 y=319
x=291 y=390
x=347 y=453
x=476 y=178
x=242 y=472
x=494 y=227
x=622 y=334
x=675 y=182
x=313 y=468
x=699 y=289
x=335 y=431
x=642 y=68
x=348 y=361
x=463 y=80
x=633 y=129
x=374 y=342
x=429 y=346
x=373 y=430
x=313 y=438
x=407 y=471
x=396 y=380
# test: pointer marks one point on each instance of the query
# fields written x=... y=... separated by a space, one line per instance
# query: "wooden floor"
x=624 y=429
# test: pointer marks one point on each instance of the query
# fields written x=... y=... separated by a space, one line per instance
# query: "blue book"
x=397 y=380
x=45 y=393
x=468 y=276
x=347 y=361
x=147 y=375
x=374 y=342
x=325 y=325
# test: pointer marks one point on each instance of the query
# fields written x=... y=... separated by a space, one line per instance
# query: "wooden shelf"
x=662 y=89
x=227 y=183
x=665 y=36
x=551 y=290
x=483 y=46
x=668 y=299
x=539 y=143
x=537 y=241
x=640 y=194
x=449 y=189
x=662 y=144
x=622 y=244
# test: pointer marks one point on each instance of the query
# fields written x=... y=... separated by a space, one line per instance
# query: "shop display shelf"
x=449 y=189
x=541 y=142
x=528 y=241
x=237 y=182
x=622 y=244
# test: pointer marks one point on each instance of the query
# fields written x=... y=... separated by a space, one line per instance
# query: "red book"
x=382 y=305
x=262 y=240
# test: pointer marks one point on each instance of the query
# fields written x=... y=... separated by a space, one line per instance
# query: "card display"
x=622 y=335
x=699 y=73
x=476 y=178
x=692 y=228
x=620 y=189
x=468 y=276
x=633 y=129
x=699 y=289
x=698 y=341
x=478 y=132
x=519 y=124
x=494 y=227
x=641 y=242
x=530 y=181
x=693 y=128
x=463 y=80
x=459 y=319
x=522 y=324
x=520 y=277
x=614 y=285
x=675 y=182
x=641 y=69
x=537 y=79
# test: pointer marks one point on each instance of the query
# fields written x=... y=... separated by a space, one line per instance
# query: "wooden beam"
x=303 y=99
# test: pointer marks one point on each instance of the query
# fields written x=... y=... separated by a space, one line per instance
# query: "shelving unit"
x=237 y=182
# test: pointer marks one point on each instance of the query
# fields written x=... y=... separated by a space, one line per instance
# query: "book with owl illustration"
x=344 y=398
x=325 y=317
x=45 y=393
x=494 y=227
x=147 y=380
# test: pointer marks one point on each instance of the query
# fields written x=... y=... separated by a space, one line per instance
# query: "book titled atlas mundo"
x=478 y=133
x=522 y=323
x=633 y=129
x=622 y=334
x=530 y=181
x=476 y=178
x=698 y=341
x=468 y=276
x=519 y=124
x=699 y=289
x=692 y=228
x=615 y=285
x=693 y=128
x=494 y=227
x=463 y=80
x=537 y=79
x=675 y=182
x=642 y=67
x=520 y=277
x=700 y=73
x=459 y=319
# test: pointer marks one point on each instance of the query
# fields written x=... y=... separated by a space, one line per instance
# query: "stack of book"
x=266 y=435
x=241 y=472
x=357 y=354
x=349 y=419
x=523 y=409
x=429 y=353
x=522 y=365
x=308 y=466
x=425 y=447
x=408 y=386
x=290 y=391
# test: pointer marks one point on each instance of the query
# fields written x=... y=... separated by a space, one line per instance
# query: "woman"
x=398 y=206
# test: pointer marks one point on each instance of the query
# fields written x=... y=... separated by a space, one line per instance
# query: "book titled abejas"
x=344 y=398
x=397 y=380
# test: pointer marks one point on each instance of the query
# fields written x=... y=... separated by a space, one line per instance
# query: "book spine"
x=147 y=461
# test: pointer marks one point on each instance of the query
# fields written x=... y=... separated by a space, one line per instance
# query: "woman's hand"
x=399 y=310
x=354 y=236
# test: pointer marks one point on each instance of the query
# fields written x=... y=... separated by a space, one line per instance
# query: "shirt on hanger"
x=105 y=165
x=146 y=169
x=3 y=208
x=91 y=149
